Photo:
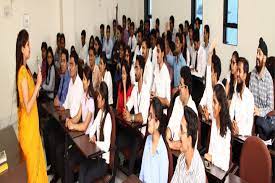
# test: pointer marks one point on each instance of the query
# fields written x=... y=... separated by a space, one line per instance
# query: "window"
x=196 y=10
x=230 y=22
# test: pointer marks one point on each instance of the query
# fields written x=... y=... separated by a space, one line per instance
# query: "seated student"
x=190 y=42
x=154 y=167
x=128 y=57
x=190 y=167
x=176 y=62
x=148 y=69
x=137 y=52
x=120 y=60
x=185 y=99
x=86 y=115
x=261 y=86
x=213 y=72
x=49 y=83
x=219 y=148
x=64 y=79
x=100 y=134
x=91 y=43
x=72 y=102
x=172 y=28
x=58 y=49
x=98 y=50
x=185 y=51
x=94 y=68
x=231 y=79
x=108 y=44
x=242 y=103
x=124 y=88
x=132 y=42
x=153 y=49
x=140 y=101
x=106 y=76
x=206 y=35
x=62 y=45
x=44 y=48
x=161 y=85
x=83 y=53
x=102 y=36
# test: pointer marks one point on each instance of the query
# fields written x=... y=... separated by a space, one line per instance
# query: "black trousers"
x=91 y=169
x=128 y=138
x=74 y=158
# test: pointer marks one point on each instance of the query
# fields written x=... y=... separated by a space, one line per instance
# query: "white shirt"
x=148 y=73
x=87 y=105
x=153 y=57
x=219 y=147
x=108 y=80
x=107 y=130
x=83 y=53
x=243 y=110
x=207 y=98
x=132 y=71
x=176 y=116
x=108 y=47
x=162 y=83
x=140 y=102
x=206 y=48
x=74 y=96
x=132 y=43
x=188 y=57
x=201 y=62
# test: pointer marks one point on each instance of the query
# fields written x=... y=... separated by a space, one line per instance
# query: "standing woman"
x=28 y=127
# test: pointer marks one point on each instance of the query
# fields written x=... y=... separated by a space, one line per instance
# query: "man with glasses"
x=185 y=99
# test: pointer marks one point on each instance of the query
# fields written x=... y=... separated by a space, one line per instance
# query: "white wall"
x=255 y=19
x=43 y=27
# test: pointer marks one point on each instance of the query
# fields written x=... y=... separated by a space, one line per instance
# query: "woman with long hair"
x=219 y=148
x=28 y=121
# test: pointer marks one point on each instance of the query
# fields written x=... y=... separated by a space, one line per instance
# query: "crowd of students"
x=168 y=82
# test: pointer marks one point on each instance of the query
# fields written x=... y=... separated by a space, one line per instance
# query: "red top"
x=120 y=98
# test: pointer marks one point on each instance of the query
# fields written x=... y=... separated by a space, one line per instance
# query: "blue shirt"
x=177 y=62
x=154 y=167
x=63 y=87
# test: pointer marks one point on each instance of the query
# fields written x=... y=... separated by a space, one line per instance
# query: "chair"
x=255 y=161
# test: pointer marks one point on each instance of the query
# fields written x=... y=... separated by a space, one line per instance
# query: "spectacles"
x=183 y=85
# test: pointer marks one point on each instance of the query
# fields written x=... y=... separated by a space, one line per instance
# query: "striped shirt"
x=262 y=90
x=195 y=174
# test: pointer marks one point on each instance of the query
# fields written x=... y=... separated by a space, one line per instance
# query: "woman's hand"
x=93 y=139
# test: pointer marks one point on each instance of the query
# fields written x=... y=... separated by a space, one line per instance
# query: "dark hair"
x=153 y=33
x=231 y=83
x=103 y=57
x=127 y=48
x=198 y=20
x=146 y=43
x=245 y=64
x=216 y=65
x=191 y=124
x=184 y=47
x=120 y=29
x=103 y=91
x=22 y=39
x=140 y=31
x=65 y=52
x=128 y=80
x=58 y=35
x=114 y=21
x=196 y=35
x=179 y=35
x=157 y=21
x=89 y=76
x=128 y=19
x=169 y=36
x=191 y=27
x=44 y=45
x=62 y=36
x=91 y=38
x=49 y=50
x=158 y=109
x=141 y=62
x=83 y=33
x=186 y=22
x=161 y=44
x=181 y=27
x=72 y=49
x=124 y=17
x=102 y=26
x=108 y=27
x=172 y=19
x=185 y=73
x=132 y=25
x=207 y=29
x=147 y=21
x=75 y=56
x=98 y=52
x=224 y=113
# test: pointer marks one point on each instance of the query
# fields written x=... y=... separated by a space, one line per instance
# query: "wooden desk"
x=132 y=179
x=17 y=165
x=231 y=178
x=89 y=149
x=60 y=116
x=214 y=173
